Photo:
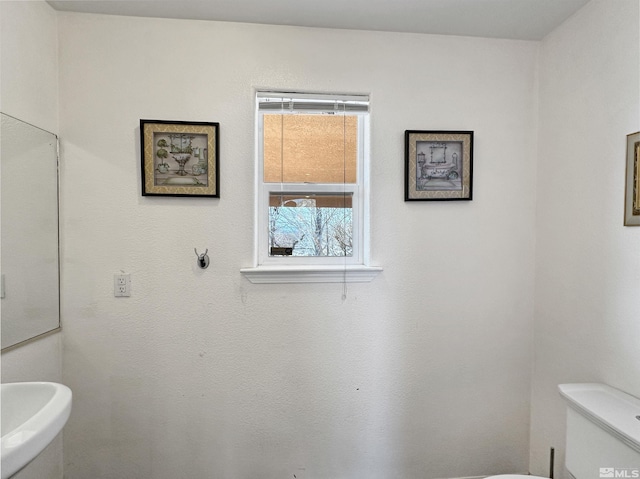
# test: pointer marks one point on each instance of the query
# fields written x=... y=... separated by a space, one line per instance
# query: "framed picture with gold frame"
x=632 y=189
x=180 y=158
x=438 y=165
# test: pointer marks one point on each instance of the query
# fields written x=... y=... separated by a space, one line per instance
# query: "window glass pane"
x=310 y=224
x=302 y=148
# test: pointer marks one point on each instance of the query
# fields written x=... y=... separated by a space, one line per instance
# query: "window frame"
x=279 y=269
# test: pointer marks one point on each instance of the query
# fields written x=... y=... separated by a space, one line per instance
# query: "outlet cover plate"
x=122 y=285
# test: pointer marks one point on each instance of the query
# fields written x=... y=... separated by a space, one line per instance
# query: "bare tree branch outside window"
x=311 y=230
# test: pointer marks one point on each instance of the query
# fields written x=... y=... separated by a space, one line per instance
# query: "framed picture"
x=632 y=189
x=438 y=165
x=180 y=158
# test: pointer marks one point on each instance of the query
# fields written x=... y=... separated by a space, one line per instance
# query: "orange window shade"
x=310 y=148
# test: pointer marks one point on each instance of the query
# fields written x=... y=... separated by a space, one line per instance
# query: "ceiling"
x=514 y=19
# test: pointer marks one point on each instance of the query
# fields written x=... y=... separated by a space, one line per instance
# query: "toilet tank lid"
x=613 y=410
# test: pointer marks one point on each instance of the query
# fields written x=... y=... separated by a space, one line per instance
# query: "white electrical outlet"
x=121 y=285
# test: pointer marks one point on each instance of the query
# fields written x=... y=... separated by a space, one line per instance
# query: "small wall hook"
x=203 y=259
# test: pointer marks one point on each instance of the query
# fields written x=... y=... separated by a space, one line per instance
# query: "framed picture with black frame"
x=438 y=165
x=632 y=187
x=180 y=158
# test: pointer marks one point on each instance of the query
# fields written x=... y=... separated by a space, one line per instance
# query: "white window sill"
x=311 y=274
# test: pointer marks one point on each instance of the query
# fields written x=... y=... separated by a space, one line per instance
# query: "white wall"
x=29 y=81
x=425 y=372
x=587 y=281
x=29 y=91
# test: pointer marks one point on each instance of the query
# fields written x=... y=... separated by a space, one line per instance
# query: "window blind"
x=300 y=102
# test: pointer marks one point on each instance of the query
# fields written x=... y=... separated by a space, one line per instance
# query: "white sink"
x=32 y=415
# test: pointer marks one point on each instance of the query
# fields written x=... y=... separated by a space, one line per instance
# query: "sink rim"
x=22 y=444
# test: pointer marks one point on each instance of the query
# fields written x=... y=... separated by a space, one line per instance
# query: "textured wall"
x=423 y=372
x=29 y=84
x=587 y=309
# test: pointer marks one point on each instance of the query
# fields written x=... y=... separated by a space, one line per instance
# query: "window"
x=312 y=188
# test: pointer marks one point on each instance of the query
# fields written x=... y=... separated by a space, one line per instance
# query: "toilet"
x=603 y=433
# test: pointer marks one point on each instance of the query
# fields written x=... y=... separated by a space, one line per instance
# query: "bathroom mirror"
x=30 y=283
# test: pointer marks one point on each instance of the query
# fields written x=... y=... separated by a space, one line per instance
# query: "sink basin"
x=32 y=415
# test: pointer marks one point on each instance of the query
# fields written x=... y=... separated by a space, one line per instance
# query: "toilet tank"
x=603 y=432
